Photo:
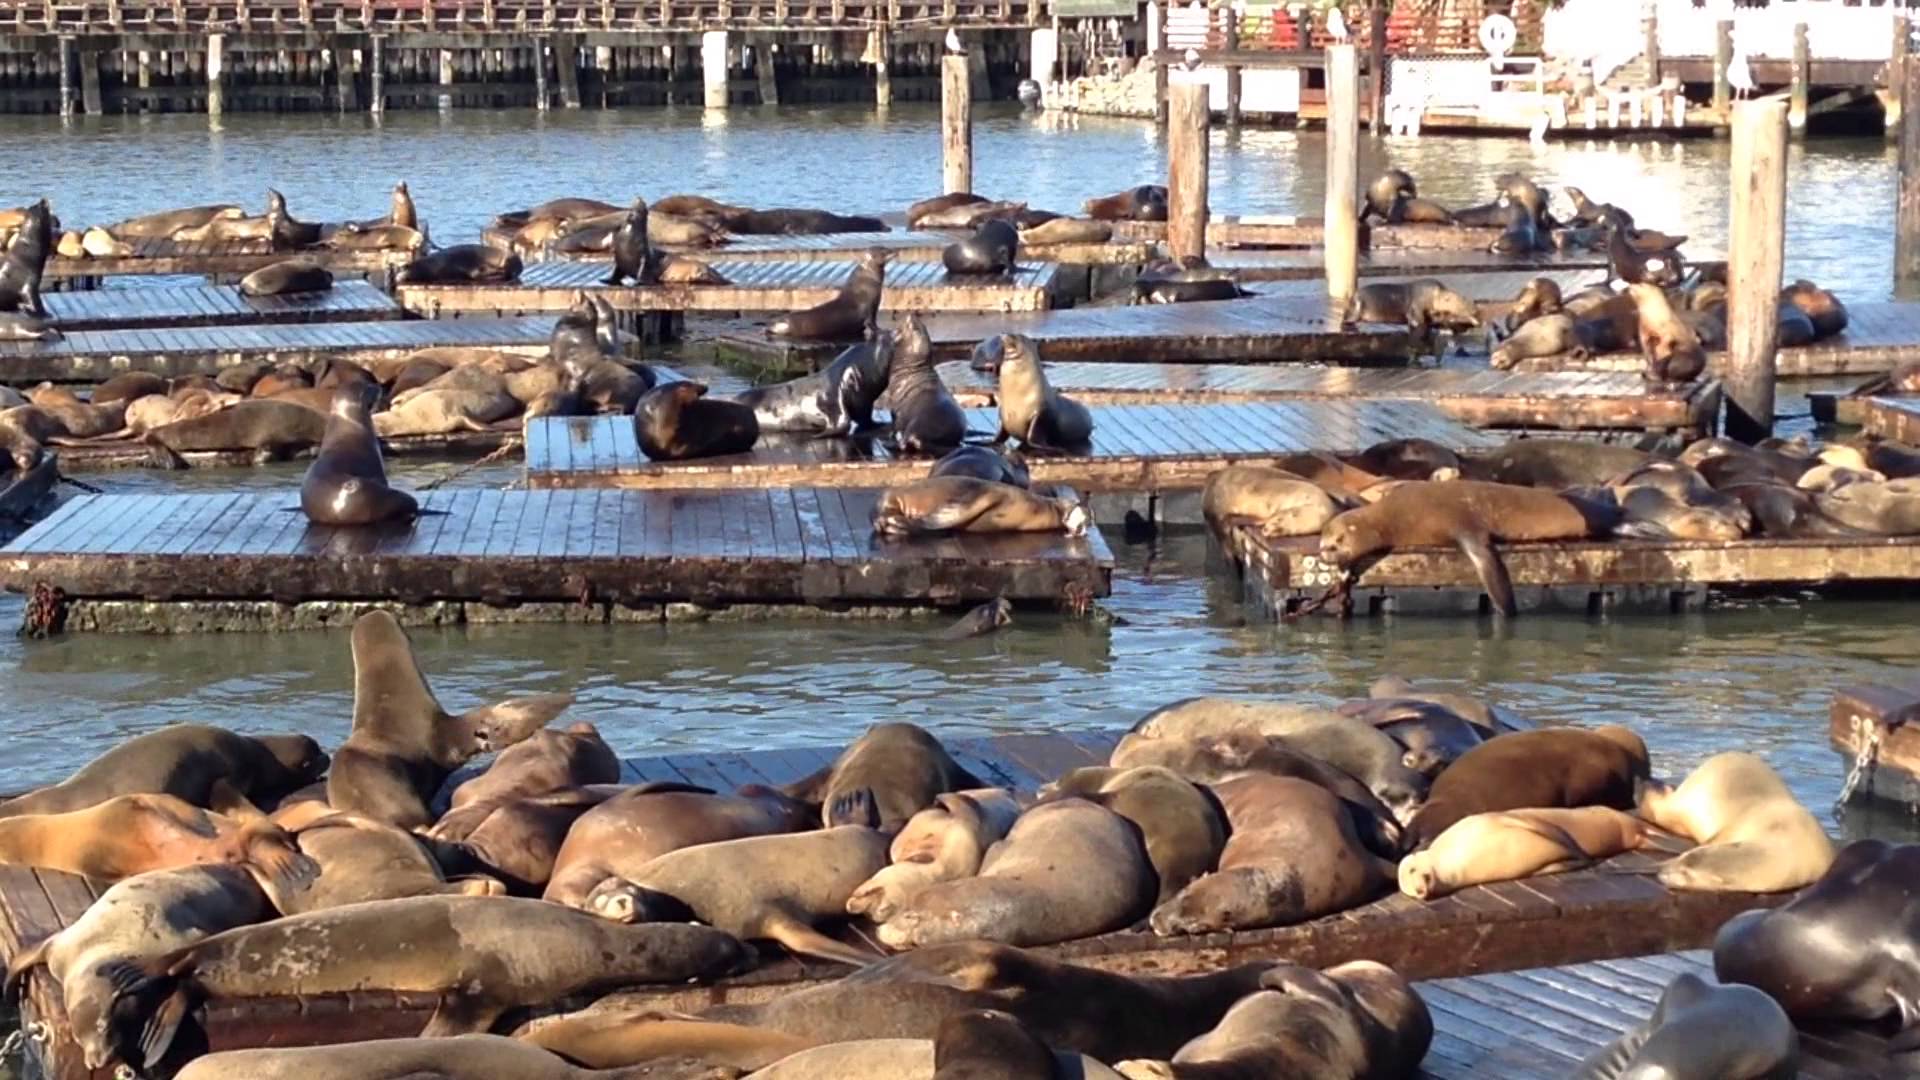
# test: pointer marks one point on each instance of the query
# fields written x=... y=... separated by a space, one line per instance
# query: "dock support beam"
x=1377 y=66
x=377 y=78
x=66 y=75
x=1758 y=242
x=881 y=42
x=1043 y=52
x=1906 y=236
x=216 y=74
x=1722 y=60
x=566 y=63
x=1186 y=164
x=1233 y=70
x=1897 y=65
x=1802 y=80
x=956 y=123
x=542 y=99
x=1342 y=228
x=764 y=72
x=90 y=82
x=343 y=75
x=1157 y=40
x=713 y=68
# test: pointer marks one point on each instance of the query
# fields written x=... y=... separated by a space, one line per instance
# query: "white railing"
x=1835 y=31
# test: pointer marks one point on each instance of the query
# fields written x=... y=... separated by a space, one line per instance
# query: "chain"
x=505 y=449
x=13 y=1044
x=1338 y=595
x=1867 y=734
x=88 y=488
x=46 y=611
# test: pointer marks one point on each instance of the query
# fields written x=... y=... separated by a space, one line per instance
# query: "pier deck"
x=1135 y=448
x=1566 y=918
x=1887 y=714
x=1879 y=336
x=906 y=246
x=1892 y=418
x=152 y=308
x=217 y=259
x=1310 y=263
x=96 y=355
x=1288 y=231
x=1250 y=330
x=753 y=287
x=1483 y=398
x=1586 y=576
x=1491 y=291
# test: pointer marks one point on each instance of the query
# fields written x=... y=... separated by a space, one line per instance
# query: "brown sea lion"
x=494 y=1057
x=78 y=419
x=128 y=386
x=279 y=379
x=1785 y=512
x=900 y=766
x=347 y=483
x=1420 y=305
x=676 y=421
x=1672 y=348
x=168 y=222
x=1546 y=768
x=1031 y=409
x=1147 y=202
x=1386 y=189
x=461 y=264
x=1827 y=313
x=926 y=418
x=133 y=834
x=851 y=314
x=1544 y=336
x=1903 y=379
x=963 y=504
x=1556 y=464
x=277 y=429
x=626 y=832
x=1067 y=231
x=920 y=210
x=517 y=839
x=1754 y=836
x=984 y=463
x=1503 y=845
x=287 y=278
x=403 y=745
x=944 y=842
x=1182 y=826
x=1273 y=502
x=542 y=763
x=185 y=761
x=363 y=860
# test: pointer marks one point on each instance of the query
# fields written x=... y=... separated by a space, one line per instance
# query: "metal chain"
x=504 y=449
x=14 y=1043
x=1865 y=756
x=88 y=488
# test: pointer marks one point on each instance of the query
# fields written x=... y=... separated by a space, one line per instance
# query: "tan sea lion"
x=78 y=419
x=1546 y=768
x=1273 y=502
x=625 y=833
x=185 y=761
x=494 y=1057
x=380 y=238
x=963 y=504
x=1903 y=379
x=364 y=860
x=944 y=842
x=1885 y=509
x=900 y=766
x=1067 y=231
x=1672 y=348
x=1182 y=826
x=347 y=482
x=1700 y=1029
x=132 y=834
x=1558 y=334
x=1894 y=460
x=1031 y=409
x=1754 y=836
x=442 y=410
x=851 y=314
x=544 y=762
x=1509 y=844
x=403 y=744
x=168 y=223
x=1539 y=296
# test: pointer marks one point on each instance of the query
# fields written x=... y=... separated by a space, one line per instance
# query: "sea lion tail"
x=18 y=967
x=150 y=994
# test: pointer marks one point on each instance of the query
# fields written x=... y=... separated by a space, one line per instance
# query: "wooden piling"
x=541 y=98
x=713 y=68
x=66 y=75
x=1722 y=60
x=764 y=73
x=1756 y=250
x=882 y=45
x=1906 y=236
x=377 y=77
x=343 y=76
x=1377 y=65
x=90 y=82
x=1186 y=164
x=1233 y=70
x=1802 y=80
x=1158 y=12
x=1650 y=51
x=1343 y=173
x=956 y=123
x=566 y=62
x=1897 y=74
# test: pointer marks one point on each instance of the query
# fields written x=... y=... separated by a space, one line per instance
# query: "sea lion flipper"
x=149 y=994
x=809 y=788
x=269 y=853
x=856 y=807
x=224 y=798
x=460 y=1015
x=1493 y=572
x=505 y=723
x=803 y=939
x=22 y=963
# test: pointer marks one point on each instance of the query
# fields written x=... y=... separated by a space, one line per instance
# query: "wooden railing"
x=1452 y=26
x=218 y=16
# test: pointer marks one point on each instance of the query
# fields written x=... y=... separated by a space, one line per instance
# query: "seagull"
x=1337 y=25
x=1192 y=59
x=953 y=42
x=1537 y=134
x=1739 y=75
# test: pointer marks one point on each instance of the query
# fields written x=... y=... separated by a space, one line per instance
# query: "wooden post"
x=1757 y=246
x=1897 y=73
x=1651 y=50
x=713 y=68
x=216 y=73
x=1377 y=65
x=90 y=83
x=1722 y=60
x=566 y=64
x=1342 y=228
x=1186 y=164
x=1233 y=70
x=956 y=123
x=1906 y=235
x=1163 y=60
x=343 y=83
x=763 y=71
x=377 y=77
x=882 y=74
x=541 y=98
x=66 y=75
x=1802 y=80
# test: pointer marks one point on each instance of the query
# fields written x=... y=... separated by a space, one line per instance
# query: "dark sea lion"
x=347 y=483
x=788 y=221
x=404 y=745
x=981 y=621
x=851 y=314
x=1549 y=767
x=987 y=1044
x=1552 y=463
x=1822 y=308
x=1273 y=502
x=836 y=401
x=557 y=209
x=1488 y=717
x=362 y=860
x=494 y=1057
x=1421 y=305
x=1405 y=459
x=416 y=374
x=134 y=834
x=1147 y=202
x=1031 y=409
x=1586 y=212
x=629 y=830
x=544 y=762
x=677 y=421
x=1700 y=1029
x=483 y=954
x=1388 y=188
x=633 y=256
x=934 y=205
x=279 y=379
x=901 y=765
x=1785 y=512
x=1545 y=335
x=278 y=429
x=461 y=264
x=167 y=222
x=518 y=839
x=1433 y=735
x=24 y=261
x=940 y=504
x=1794 y=329
x=984 y=463
x=288 y=234
x=1630 y=267
x=990 y=250
x=185 y=761
x=128 y=386
x=1185 y=281
x=1539 y=296
x=1672 y=349
x=1182 y=826
x=1891 y=459
x=926 y=418
x=287 y=278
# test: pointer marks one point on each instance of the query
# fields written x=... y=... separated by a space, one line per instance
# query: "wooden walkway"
x=151 y=308
x=1893 y=418
x=1483 y=398
x=1248 y=330
x=1310 y=263
x=753 y=287
x=1135 y=448
x=605 y=547
x=96 y=355
x=211 y=259
x=1562 y=919
x=1492 y=291
x=907 y=246
x=1879 y=336
x=1587 y=576
x=1287 y=231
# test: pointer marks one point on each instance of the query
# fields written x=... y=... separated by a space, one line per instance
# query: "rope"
x=83 y=486
x=1865 y=757
x=46 y=611
x=505 y=449
x=1339 y=591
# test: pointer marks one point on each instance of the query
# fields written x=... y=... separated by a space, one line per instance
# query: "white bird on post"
x=953 y=42
x=1192 y=59
x=1739 y=75
x=1337 y=24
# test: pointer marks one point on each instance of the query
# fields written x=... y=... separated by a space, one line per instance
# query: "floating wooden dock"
x=1135 y=448
x=1893 y=418
x=584 y=553
x=97 y=355
x=753 y=287
x=160 y=256
x=1483 y=398
x=1886 y=715
x=163 y=307
x=1286 y=231
x=1309 y=263
x=1879 y=336
x=1492 y=292
x=1587 y=576
x=1566 y=918
x=907 y=246
x=136 y=454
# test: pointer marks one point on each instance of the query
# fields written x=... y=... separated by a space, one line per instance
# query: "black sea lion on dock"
x=836 y=401
x=25 y=260
x=287 y=278
x=1700 y=1029
x=185 y=761
x=633 y=257
x=1184 y=281
x=404 y=745
x=1548 y=767
x=851 y=314
x=1631 y=267
x=1147 y=202
x=984 y=463
x=900 y=765
x=990 y=250
x=1031 y=410
x=791 y=221
x=347 y=483
x=940 y=504
x=276 y=429
x=631 y=829
x=288 y=234
x=926 y=418
x=1387 y=188
x=677 y=422
x=461 y=264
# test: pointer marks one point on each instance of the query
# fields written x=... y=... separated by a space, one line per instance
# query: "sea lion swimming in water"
x=1031 y=409
x=851 y=314
x=677 y=421
x=347 y=483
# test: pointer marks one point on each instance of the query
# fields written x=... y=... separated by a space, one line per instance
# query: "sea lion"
x=851 y=314
x=982 y=620
x=1653 y=513
x=76 y=418
x=347 y=483
x=944 y=842
x=1792 y=330
x=19 y=326
x=1293 y=855
x=185 y=761
x=1182 y=826
x=1067 y=231
x=1185 y=281
x=277 y=429
x=287 y=278
x=1753 y=835
x=1822 y=308
x=1546 y=335
x=279 y=379
x=940 y=504
x=544 y=762
x=168 y=222
x=1489 y=718
x=987 y=1044
x=1147 y=202
x=1552 y=463
x=1273 y=502
x=133 y=834
x=1545 y=769
x=984 y=463
x=1894 y=460
x=790 y=221
x=919 y=1059
x=1501 y=846
x=381 y=238
x=836 y=401
x=773 y=887
x=992 y=249
x=1891 y=508
x=1519 y=230
x=484 y=954
x=1433 y=736
x=1700 y=1029
x=1421 y=305
x=937 y=203
x=1406 y=459
x=677 y=421
x=363 y=860
x=1842 y=950
x=1672 y=348
x=926 y=418
x=236 y=229
x=403 y=745
x=1826 y=477
x=1067 y=869
x=1388 y=188
x=128 y=386
x=25 y=260
x=1903 y=379
x=154 y=912
x=288 y=234
x=516 y=839
x=1031 y=409
x=1628 y=267
x=970 y=215
x=400 y=211
x=442 y=409
x=631 y=829
x=899 y=765
x=495 y=1057
x=633 y=256
x=1786 y=512
x=461 y=264
x=1539 y=296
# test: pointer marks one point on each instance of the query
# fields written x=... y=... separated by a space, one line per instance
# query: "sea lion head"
x=619 y=900
x=1348 y=538
x=1416 y=875
x=1449 y=308
x=353 y=401
x=1020 y=352
x=298 y=754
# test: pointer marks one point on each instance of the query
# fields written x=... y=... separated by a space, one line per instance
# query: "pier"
x=222 y=259
x=166 y=307
x=1891 y=418
x=1879 y=337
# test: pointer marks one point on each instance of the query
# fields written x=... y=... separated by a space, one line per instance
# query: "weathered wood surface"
x=1341 y=253
x=1253 y=329
x=782 y=546
x=230 y=257
x=1492 y=292
x=1483 y=398
x=1758 y=223
x=1879 y=336
x=98 y=355
x=921 y=245
x=1310 y=263
x=160 y=307
x=1893 y=418
x=1135 y=448
x=134 y=454
x=1539 y=1024
x=1288 y=231
x=1587 y=575
x=753 y=287
x=1887 y=714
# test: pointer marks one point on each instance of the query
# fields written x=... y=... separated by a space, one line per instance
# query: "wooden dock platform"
x=1306 y=264
x=1886 y=716
x=1288 y=231
x=1483 y=398
x=918 y=245
x=754 y=287
x=1135 y=448
x=1492 y=291
x=234 y=257
x=1582 y=577
x=1567 y=918
x=97 y=355
x=164 y=307
x=1892 y=418
x=580 y=552
x=1879 y=336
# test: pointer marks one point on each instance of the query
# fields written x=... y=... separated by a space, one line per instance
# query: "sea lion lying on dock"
x=984 y=463
x=838 y=400
x=1548 y=767
x=461 y=264
x=1501 y=846
x=133 y=834
x=943 y=842
x=1420 y=305
x=185 y=761
x=1147 y=202
x=677 y=421
x=1754 y=836
x=1700 y=1029
x=1274 y=502
x=890 y=773
x=287 y=278
x=963 y=504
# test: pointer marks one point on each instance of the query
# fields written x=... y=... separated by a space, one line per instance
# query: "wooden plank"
x=214 y=305
x=1880 y=336
x=158 y=257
